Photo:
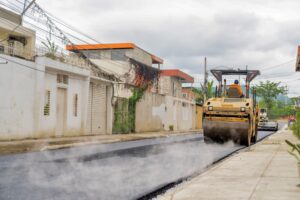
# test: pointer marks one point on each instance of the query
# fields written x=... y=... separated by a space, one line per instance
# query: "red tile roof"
x=177 y=73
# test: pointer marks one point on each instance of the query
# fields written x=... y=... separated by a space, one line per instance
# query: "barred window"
x=75 y=105
x=47 y=103
x=62 y=79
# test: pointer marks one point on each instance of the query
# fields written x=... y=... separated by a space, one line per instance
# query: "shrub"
x=296 y=126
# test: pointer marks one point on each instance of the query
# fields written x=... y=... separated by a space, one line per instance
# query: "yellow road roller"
x=231 y=115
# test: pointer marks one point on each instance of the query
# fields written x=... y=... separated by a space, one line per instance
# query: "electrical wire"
x=277 y=65
x=58 y=37
x=64 y=24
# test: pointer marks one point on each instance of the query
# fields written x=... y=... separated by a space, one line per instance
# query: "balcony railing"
x=69 y=58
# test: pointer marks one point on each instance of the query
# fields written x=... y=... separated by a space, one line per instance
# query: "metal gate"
x=97 y=109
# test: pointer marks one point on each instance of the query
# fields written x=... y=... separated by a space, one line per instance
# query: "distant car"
x=268 y=126
x=264 y=124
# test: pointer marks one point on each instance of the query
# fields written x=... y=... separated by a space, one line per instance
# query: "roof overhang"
x=82 y=47
x=250 y=74
x=100 y=46
x=10 y=16
x=156 y=60
x=184 y=77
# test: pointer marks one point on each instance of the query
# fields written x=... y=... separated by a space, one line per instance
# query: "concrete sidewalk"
x=28 y=145
x=265 y=171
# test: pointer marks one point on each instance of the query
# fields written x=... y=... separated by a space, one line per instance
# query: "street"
x=109 y=100
x=126 y=170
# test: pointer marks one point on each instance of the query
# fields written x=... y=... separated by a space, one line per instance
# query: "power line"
x=278 y=65
x=63 y=33
x=16 y=27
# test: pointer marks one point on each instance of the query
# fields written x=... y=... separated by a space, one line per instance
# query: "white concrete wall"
x=23 y=85
x=17 y=97
x=156 y=112
x=78 y=84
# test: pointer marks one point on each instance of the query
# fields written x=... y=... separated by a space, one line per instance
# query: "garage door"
x=96 y=120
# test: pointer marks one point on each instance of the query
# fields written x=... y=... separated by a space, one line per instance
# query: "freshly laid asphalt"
x=124 y=170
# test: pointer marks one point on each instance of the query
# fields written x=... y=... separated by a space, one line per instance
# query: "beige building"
x=15 y=40
x=134 y=67
x=169 y=109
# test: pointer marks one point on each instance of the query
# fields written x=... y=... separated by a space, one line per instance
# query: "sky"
x=259 y=34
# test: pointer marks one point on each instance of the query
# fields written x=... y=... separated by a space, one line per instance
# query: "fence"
x=21 y=52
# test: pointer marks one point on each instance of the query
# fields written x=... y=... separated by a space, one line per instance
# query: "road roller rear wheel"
x=245 y=138
x=254 y=138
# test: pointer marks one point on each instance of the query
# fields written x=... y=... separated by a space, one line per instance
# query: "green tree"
x=296 y=126
x=282 y=109
x=199 y=95
x=268 y=92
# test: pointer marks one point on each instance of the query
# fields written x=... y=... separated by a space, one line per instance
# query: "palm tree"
x=210 y=89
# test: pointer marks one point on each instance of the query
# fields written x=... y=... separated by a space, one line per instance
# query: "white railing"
x=16 y=52
x=21 y=52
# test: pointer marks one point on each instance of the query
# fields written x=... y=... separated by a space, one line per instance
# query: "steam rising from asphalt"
x=127 y=174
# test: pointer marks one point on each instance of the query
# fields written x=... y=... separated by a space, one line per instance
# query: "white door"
x=61 y=111
x=96 y=120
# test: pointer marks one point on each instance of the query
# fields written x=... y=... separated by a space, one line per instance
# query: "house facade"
x=135 y=69
x=48 y=97
x=170 y=110
x=117 y=88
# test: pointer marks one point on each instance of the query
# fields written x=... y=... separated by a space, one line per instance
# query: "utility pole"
x=205 y=79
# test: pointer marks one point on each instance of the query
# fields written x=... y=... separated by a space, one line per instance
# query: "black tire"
x=254 y=138
x=245 y=139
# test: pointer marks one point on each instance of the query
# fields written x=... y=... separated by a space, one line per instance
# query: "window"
x=1 y=49
x=47 y=103
x=75 y=105
x=173 y=89
x=64 y=79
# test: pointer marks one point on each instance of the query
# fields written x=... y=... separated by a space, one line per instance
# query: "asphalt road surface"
x=126 y=170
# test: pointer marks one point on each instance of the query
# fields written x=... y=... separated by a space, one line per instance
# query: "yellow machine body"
x=233 y=119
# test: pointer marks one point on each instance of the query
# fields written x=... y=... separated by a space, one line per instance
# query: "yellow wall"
x=199 y=112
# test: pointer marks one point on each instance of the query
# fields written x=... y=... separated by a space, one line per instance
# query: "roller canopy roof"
x=250 y=74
